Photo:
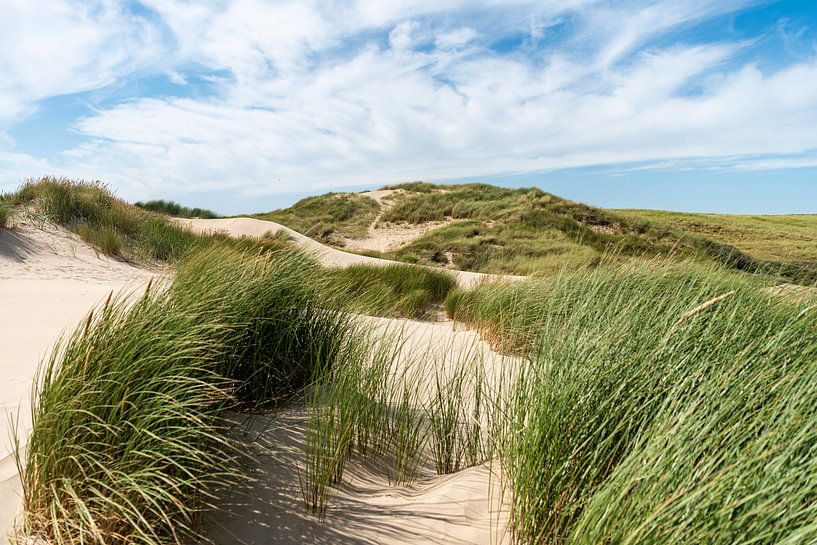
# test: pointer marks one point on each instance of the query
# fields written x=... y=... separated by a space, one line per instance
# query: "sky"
x=248 y=105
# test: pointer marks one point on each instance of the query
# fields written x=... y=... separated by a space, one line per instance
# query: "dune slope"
x=251 y=227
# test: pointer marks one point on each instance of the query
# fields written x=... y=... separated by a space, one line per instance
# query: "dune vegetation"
x=118 y=229
x=661 y=403
x=327 y=217
x=5 y=212
x=175 y=209
x=530 y=232
x=128 y=444
x=780 y=237
x=671 y=407
x=111 y=225
x=397 y=290
x=643 y=400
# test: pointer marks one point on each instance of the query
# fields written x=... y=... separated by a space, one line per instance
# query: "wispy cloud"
x=330 y=94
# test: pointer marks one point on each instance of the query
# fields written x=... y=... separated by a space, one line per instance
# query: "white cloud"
x=455 y=38
x=400 y=37
x=17 y=167
x=64 y=46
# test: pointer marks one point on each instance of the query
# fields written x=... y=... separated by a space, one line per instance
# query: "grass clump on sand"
x=394 y=290
x=671 y=406
x=127 y=442
x=325 y=217
x=5 y=212
x=171 y=208
x=401 y=410
x=113 y=226
x=283 y=329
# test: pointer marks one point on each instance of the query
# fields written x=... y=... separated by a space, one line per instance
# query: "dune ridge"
x=331 y=257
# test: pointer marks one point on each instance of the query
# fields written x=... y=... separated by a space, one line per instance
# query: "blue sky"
x=247 y=105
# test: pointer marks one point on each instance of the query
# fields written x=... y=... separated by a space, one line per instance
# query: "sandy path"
x=251 y=227
x=49 y=280
x=389 y=236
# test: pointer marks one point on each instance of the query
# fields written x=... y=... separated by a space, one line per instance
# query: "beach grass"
x=5 y=213
x=394 y=290
x=405 y=411
x=327 y=217
x=664 y=406
x=175 y=209
x=111 y=225
x=128 y=444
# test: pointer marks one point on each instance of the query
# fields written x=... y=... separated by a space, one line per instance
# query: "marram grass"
x=127 y=443
x=409 y=411
x=126 y=446
x=665 y=406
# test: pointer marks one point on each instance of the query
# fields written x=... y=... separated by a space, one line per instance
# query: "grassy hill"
x=780 y=237
x=325 y=217
x=530 y=232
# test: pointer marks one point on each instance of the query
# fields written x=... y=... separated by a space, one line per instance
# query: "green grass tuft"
x=671 y=406
x=5 y=212
x=171 y=208
x=395 y=290
x=127 y=441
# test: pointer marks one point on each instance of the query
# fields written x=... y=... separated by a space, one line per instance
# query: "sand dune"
x=465 y=508
x=49 y=280
x=331 y=257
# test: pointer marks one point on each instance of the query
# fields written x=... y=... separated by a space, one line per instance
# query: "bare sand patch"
x=463 y=508
x=386 y=237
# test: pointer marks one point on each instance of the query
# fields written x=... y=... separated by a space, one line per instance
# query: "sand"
x=465 y=508
x=331 y=257
x=49 y=280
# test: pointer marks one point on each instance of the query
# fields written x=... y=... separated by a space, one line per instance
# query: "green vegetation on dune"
x=175 y=209
x=329 y=216
x=117 y=228
x=665 y=403
x=529 y=232
x=127 y=443
x=782 y=238
x=396 y=290
x=511 y=248
x=5 y=211
x=113 y=226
